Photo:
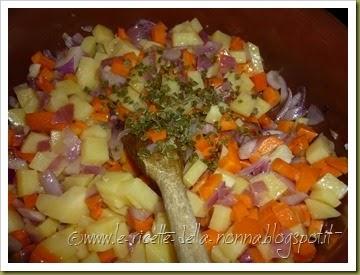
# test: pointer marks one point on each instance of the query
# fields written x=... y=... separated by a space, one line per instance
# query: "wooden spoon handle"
x=182 y=221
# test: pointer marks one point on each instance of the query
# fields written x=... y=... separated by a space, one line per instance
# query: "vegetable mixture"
x=253 y=162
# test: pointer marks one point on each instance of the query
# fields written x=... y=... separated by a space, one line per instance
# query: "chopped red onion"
x=48 y=54
x=77 y=39
x=32 y=231
x=73 y=168
x=67 y=68
x=132 y=239
x=281 y=250
x=290 y=184
x=315 y=115
x=256 y=168
x=13 y=245
x=227 y=63
x=32 y=215
x=50 y=183
x=72 y=145
x=13 y=102
x=65 y=114
x=203 y=63
x=43 y=98
x=69 y=62
x=139 y=214
x=334 y=134
x=208 y=128
x=245 y=257
x=87 y=28
x=151 y=147
x=17 y=203
x=258 y=190
x=43 y=145
x=220 y=195
x=111 y=78
x=204 y=36
x=228 y=200
x=225 y=91
x=89 y=169
x=16 y=163
x=172 y=54
x=209 y=49
x=141 y=30
x=68 y=40
x=285 y=106
x=276 y=81
x=246 y=149
x=294 y=199
x=115 y=144
x=297 y=106
x=55 y=164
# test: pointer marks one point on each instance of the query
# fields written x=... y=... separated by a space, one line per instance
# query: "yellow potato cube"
x=27 y=182
x=42 y=160
x=321 y=148
x=221 y=218
x=31 y=142
x=94 y=151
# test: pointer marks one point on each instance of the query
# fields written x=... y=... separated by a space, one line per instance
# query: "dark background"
x=340 y=14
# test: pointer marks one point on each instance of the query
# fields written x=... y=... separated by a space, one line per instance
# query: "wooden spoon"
x=166 y=171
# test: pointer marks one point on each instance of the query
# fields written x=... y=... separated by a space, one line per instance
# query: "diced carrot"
x=325 y=168
x=339 y=163
x=227 y=123
x=156 y=135
x=215 y=81
x=241 y=68
x=107 y=256
x=43 y=122
x=100 y=116
x=121 y=33
x=189 y=59
x=256 y=255
x=201 y=181
x=286 y=126
x=268 y=220
x=205 y=145
x=45 y=85
x=131 y=57
x=211 y=238
x=152 y=108
x=252 y=119
x=78 y=127
x=25 y=156
x=39 y=58
x=95 y=203
x=302 y=212
x=113 y=166
x=265 y=121
x=30 y=200
x=266 y=146
x=46 y=74
x=70 y=77
x=271 y=96
x=209 y=187
x=285 y=215
x=254 y=213
x=11 y=198
x=236 y=43
x=22 y=236
x=260 y=82
x=158 y=33
x=307 y=177
x=315 y=227
x=42 y=255
x=120 y=67
x=285 y=169
x=239 y=211
x=249 y=229
x=231 y=161
x=303 y=251
x=246 y=199
x=138 y=225
x=122 y=111
x=298 y=145
x=308 y=132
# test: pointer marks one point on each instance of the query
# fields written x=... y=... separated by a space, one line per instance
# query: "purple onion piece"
x=50 y=183
x=32 y=215
x=64 y=114
x=112 y=79
x=276 y=81
x=141 y=30
x=285 y=106
x=256 y=168
x=315 y=115
x=172 y=54
x=72 y=145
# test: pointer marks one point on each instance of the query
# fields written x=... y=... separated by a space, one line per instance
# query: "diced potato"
x=42 y=160
x=221 y=218
x=194 y=173
x=132 y=101
x=196 y=25
x=27 y=182
x=160 y=252
x=261 y=107
x=77 y=180
x=253 y=55
x=302 y=120
x=57 y=100
x=325 y=195
x=320 y=210
x=240 y=56
x=92 y=258
x=282 y=152
x=147 y=44
x=15 y=222
x=140 y=195
x=221 y=38
x=88 y=45
x=330 y=182
x=102 y=34
x=183 y=27
x=213 y=70
x=217 y=255
x=196 y=76
x=112 y=188
x=34 y=70
x=82 y=109
x=273 y=183
x=121 y=246
x=240 y=185
x=232 y=248
x=138 y=254
x=59 y=245
x=100 y=56
x=321 y=148
x=298 y=230
x=265 y=250
x=47 y=227
x=27 y=98
x=97 y=131
x=244 y=104
x=87 y=73
x=17 y=116
x=198 y=205
x=185 y=39
x=245 y=83
x=174 y=87
x=213 y=115
x=69 y=87
x=56 y=143
x=161 y=223
x=70 y=207
x=94 y=151
x=137 y=83
x=119 y=47
x=31 y=142
x=82 y=252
